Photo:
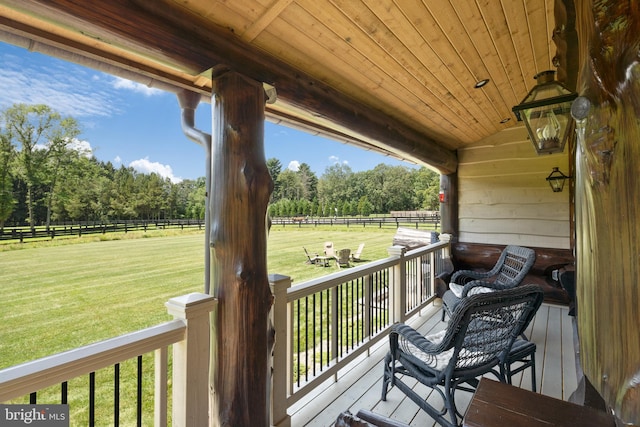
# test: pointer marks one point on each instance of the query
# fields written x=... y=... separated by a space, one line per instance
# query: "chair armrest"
x=482 y=284
x=378 y=420
x=415 y=338
x=462 y=277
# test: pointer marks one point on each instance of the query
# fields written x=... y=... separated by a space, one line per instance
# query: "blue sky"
x=131 y=124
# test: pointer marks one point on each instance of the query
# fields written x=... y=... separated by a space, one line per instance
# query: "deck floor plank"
x=360 y=386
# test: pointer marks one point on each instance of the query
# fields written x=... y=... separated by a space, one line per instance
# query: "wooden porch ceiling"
x=395 y=76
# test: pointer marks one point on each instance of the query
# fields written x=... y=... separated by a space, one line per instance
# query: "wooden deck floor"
x=360 y=385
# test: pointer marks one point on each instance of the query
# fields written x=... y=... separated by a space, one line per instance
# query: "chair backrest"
x=328 y=249
x=306 y=253
x=343 y=256
x=483 y=327
x=513 y=265
x=358 y=252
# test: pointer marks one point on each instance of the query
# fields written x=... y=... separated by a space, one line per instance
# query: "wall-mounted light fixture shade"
x=546 y=111
x=556 y=180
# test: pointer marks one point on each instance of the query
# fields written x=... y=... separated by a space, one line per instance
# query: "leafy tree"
x=364 y=207
x=196 y=205
x=7 y=201
x=39 y=132
x=335 y=185
x=308 y=182
x=290 y=185
x=426 y=188
x=275 y=167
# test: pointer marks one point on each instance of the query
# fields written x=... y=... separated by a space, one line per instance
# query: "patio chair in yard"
x=343 y=258
x=509 y=271
x=356 y=255
x=310 y=259
x=329 y=250
x=479 y=340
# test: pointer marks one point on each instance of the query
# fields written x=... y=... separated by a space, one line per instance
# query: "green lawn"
x=65 y=293
x=59 y=296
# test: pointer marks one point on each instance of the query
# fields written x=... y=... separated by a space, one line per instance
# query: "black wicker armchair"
x=478 y=340
x=508 y=272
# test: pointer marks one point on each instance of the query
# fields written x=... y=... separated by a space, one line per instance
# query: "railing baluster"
x=92 y=399
x=33 y=398
x=116 y=395
x=313 y=300
x=63 y=393
x=139 y=404
x=306 y=339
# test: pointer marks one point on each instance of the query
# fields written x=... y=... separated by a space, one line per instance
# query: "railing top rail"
x=319 y=284
x=23 y=379
x=426 y=249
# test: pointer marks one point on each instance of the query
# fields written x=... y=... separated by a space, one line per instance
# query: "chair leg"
x=387 y=378
x=533 y=372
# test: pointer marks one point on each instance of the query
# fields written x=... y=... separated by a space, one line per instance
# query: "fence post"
x=280 y=372
x=191 y=360
x=398 y=285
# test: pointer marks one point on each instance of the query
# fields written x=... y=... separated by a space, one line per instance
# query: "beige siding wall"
x=504 y=197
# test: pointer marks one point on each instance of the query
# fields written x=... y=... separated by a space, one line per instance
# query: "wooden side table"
x=496 y=404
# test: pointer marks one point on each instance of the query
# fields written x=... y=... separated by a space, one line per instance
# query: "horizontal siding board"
x=523 y=226
x=515 y=239
x=500 y=196
x=541 y=211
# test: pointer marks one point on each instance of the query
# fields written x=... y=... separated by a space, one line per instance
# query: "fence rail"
x=95 y=227
x=425 y=221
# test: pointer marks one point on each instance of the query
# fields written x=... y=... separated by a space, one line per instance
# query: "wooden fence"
x=95 y=227
x=430 y=222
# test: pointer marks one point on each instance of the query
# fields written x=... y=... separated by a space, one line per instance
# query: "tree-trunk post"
x=239 y=195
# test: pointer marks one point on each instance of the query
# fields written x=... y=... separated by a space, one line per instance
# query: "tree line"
x=342 y=192
x=47 y=176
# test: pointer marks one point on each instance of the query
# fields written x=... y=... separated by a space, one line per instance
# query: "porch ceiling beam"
x=172 y=36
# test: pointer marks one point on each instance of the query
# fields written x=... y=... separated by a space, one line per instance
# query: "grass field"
x=58 y=295
x=66 y=293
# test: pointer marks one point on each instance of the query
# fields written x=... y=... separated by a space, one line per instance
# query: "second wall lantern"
x=546 y=111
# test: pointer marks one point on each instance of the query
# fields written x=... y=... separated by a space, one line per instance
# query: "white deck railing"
x=330 y=321
x=189 y=335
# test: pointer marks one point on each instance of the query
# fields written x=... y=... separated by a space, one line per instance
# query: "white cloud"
x=294 y=165
x=147 y=166
x=71 y=94
x=336 y=160
x=120 y=83
x=117 y=160
x=83 y=147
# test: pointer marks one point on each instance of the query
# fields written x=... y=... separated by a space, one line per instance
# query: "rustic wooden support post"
x=191 y=360
x=398 y=285
x=607 y=204
x=280 y=373
x=239 y=195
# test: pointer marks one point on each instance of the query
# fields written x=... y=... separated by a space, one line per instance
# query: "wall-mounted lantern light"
x=546 y=111
x=556 y=180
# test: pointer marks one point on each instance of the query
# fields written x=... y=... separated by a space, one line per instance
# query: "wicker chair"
x=477 y=341
x=512 y=266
